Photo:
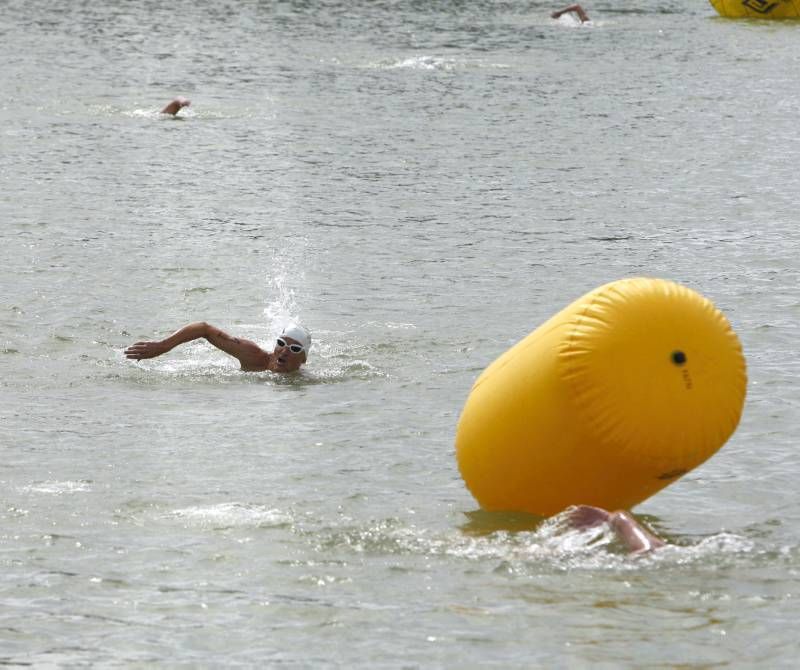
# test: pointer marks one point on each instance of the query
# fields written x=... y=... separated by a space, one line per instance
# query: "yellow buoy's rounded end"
x=656 y=370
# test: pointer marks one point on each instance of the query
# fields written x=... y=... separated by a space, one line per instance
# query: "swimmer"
x=291 y=347
x=635 y=538
x=176 y=105
x=572 y=9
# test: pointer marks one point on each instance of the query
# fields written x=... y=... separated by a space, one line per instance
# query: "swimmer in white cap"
x=291 y=347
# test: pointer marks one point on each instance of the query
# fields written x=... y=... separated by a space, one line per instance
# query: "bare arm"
x=635 y=537
x=250 y=355
x=633 y=534
x=582 y=15
x=174 y=106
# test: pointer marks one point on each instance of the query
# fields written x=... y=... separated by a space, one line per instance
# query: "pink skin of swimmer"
x=176 y=105
x=631 y=533
x=572 y=9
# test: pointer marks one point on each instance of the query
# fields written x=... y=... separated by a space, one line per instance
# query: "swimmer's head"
x=298 y=334
x=291 y=348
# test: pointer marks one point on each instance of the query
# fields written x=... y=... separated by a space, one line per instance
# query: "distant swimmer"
x=291 y=347
x=630 y=532
x=572 y=9
x=176 y=105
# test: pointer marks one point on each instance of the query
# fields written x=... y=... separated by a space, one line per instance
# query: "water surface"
x=422 y=184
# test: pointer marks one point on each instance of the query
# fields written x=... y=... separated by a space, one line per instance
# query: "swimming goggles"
x=294 y=348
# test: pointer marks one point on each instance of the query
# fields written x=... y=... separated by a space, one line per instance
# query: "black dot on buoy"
x=678 y=357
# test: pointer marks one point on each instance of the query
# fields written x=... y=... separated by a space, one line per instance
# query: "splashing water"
x=553 y=545
x=283 y=279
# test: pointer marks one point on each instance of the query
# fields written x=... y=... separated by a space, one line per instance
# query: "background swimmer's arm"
x=582 y=15
x=250 y=355
x=636 y=539
x=176 y=105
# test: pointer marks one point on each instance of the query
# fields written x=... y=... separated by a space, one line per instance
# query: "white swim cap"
x=297 y=332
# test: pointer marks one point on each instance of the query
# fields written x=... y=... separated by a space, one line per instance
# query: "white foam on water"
x=421 y=63
x=57 y=487
x=570 y=20
x=553 y=545
x=231 y=515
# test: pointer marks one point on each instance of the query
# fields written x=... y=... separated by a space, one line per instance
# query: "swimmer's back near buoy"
x=616 y=396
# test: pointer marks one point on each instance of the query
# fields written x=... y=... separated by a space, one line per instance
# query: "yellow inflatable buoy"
x=619 y=394
x=757 y=9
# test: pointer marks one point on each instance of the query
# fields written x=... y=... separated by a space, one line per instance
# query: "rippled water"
x=422 y=184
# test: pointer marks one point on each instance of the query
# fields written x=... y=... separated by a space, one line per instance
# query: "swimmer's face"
x=288 y=356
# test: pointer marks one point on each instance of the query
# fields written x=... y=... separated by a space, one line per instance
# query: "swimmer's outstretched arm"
x=176 y=105
x=252 y=357
x=582 y=15
x=634 y=536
